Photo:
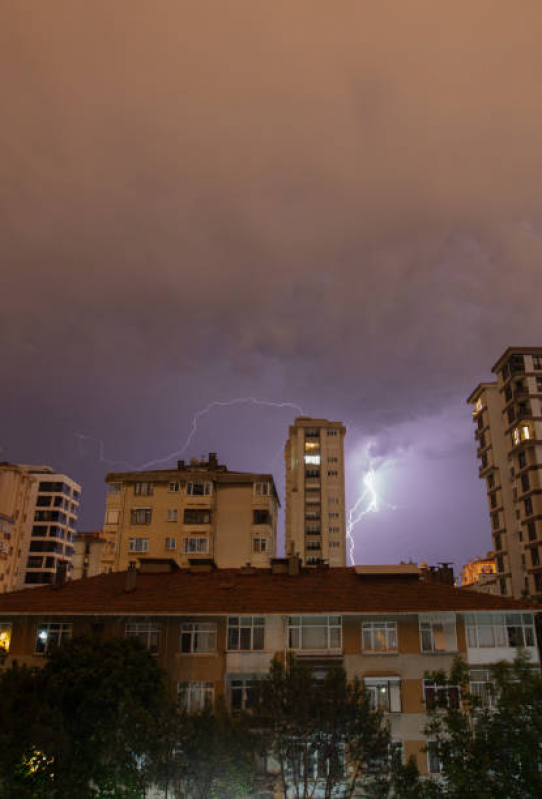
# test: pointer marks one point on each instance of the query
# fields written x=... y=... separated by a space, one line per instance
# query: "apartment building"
x=315 y=503
x=215 y=631
x=480 y=574
x=42 y=506
x=508 y=417
x=198 y=511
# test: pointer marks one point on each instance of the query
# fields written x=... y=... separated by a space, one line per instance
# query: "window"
x=34 y=562
x=242 y=693
x=334 y=544
x=5 y=636
x=173 y=487
x=493 y=499
x=333 y=529
x=490 y=480
x=198 y=638
x=312 y=459
x=482 y=688
x=525 y=482
x=332 y=432
x=531 y=531
x=171 y=543
x=535 y=556
x=436 y=695
x=332 y=459
x=143 y=489
x=261 y=517
x=379 y=636
x=537 y=362
x=262 y=489
x=498 y=542
x=314 y=632
x=203 y=489
x=528 y=507
x=246 y=632
x=147 y=634
x=173 y=514
x=195 y=696
x=51 y=635
x=332 y=473
x=438 y=633
x=195 y=544
x=384 y=693
x=333 y=514
x=112 y=516
x=138 y=545
x=499 y=630
x=141 y=516
x=434 y=763
x=260 y=544
x=196 y=516
x=522 y=459
x=114 y=488
x=495 y=520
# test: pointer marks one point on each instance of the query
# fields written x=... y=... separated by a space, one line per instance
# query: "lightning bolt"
x=193 y=430
x=368 y=501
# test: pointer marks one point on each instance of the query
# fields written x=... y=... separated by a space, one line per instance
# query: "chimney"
x=131 y=577
x=61 y=571
x=180 y=464
x=293 y=564
x=213 y=460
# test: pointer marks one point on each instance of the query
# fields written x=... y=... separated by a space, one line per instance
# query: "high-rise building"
x=508 y=418
x=198 y=511
x=315 y=505
x=41 y=506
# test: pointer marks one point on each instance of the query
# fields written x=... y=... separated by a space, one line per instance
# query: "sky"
x=335 y=207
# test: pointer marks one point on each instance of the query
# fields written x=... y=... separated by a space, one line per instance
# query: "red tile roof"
x=230 y=591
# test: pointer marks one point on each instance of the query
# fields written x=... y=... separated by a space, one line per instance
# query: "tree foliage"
x=322 y=733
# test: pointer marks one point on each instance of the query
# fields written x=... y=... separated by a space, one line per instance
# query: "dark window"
x=484 y=460
x=141 y=516
x=502 y=584
x=45 y=546
x=525 y=482
x=440 y=695
x=43 y=502
x=537 y=362
x=495 y=520
x=508 y=393
x=261 y=517
x=511 y=415
x=482 y=441
x=34 y=562
x=498 y=542
x=528 y=507
x=39 y=530
x=539 y=383
x=522 y=460
x=500 y=563
x=52 y=488
x=535 y=557
x=531 y=530
x=490 y=480
x=39 y=578
x=538 y=581
x=480 y=421
x=196 y=516
x=493 y=499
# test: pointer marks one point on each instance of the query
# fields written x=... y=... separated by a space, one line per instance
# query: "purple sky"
x=334 y=205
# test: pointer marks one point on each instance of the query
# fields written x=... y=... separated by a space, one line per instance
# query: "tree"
x=100 y=700
x=323 y=733
x=491 y=745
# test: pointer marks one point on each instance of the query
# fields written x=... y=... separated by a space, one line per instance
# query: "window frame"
x=427 y=624
x=140 y=513
x=189 y=632
x=133 y=547
x=251 y=626
x=304 y=624
x=186 y=550
x=207 y=490
x=500 y=625
x=196 y=695
x=143 y=488
x=143 y=631
x=384 y=693
x=172 y=515
x=63 y=629
x=390 y=631
x=437 y=696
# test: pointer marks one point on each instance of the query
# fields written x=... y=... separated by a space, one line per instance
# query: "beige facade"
x=315 y=504
x=88 y=553
x=199 y=511
x=508 y=418
x=16 y=486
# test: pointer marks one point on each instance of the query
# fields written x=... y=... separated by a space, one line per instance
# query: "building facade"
x=480 y=575
x=215 y=631
x=43 y=506
x=315 y=503
x=198 y=511
x=508 y=418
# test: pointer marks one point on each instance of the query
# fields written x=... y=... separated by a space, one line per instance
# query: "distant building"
x=41 y=506
x=480 y=575
x=508 y=418
x=315 y=504
x=89 y=550
x=199 y=511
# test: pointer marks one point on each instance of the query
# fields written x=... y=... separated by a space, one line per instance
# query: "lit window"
x=195 y=696
x=384 y=693
x=315 y=459
x=147 y=634
x=198 y=637
x=138 y=545
x=5 y=637
x=51 y=635
x=193 y=544
x=379 y=636
x=315 y=632
x=246 y=632
x=173 y=514
x=199 y=489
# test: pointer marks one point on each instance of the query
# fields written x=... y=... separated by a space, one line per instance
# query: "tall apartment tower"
x=508 y=418
x=199 y=511
x=41 y=506
x=315 y=505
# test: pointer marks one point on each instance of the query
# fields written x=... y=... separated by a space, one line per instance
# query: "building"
x=215 y=631
x=197 y=511
x=508 y=418
x=315 y=504
x=42 y=506
x=89 y=550
x=480 y=575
